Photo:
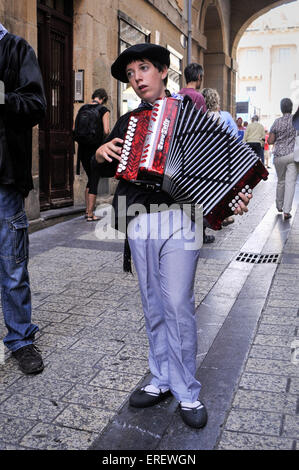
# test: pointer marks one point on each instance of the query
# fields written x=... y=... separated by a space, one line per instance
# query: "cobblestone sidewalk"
x=265 y=410
x=94 y=345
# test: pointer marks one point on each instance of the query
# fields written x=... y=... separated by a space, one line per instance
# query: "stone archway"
x=240 y=20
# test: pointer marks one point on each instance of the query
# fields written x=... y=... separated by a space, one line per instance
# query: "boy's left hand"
x=243 y=203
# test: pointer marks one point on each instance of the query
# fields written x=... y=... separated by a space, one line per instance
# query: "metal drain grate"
x=258 y=258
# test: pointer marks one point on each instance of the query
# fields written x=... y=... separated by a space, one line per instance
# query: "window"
x=284 y=55
x=252 y=54
x=251 y=89
x=130 y=33
x=175 y=71
x=251 y=62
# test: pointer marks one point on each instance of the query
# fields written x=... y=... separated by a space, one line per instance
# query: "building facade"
x=268 y=56
x=77 y=40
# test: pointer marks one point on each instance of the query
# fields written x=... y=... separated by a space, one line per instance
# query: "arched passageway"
x=221 y=26
x=215 y=61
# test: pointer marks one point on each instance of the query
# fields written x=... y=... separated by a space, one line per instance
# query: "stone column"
x=232 y=86
x=217 y=66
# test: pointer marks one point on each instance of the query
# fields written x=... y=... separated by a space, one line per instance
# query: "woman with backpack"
x=91 y=127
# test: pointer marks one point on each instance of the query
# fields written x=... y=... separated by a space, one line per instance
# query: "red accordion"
x=189 y=155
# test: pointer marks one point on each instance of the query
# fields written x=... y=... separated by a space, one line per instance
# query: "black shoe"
x=194 y=417
x=29 y=359
x=143 y=399
x=208 y=238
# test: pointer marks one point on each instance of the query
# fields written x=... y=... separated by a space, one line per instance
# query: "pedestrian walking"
x=194 y=75
x=267 y=150
x=91 y=127
x=212 y=100
x=165 y=268
x=255 y=137
x=283 y=135
x=241 y=128
x=24 y=106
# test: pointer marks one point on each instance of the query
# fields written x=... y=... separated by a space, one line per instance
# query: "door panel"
x=56 y=145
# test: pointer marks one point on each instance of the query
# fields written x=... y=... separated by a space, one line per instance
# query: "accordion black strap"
x=127 y=260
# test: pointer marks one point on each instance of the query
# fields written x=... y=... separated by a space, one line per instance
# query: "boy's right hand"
x=109 y=150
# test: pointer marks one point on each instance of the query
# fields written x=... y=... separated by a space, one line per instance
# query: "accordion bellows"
x=191 y=156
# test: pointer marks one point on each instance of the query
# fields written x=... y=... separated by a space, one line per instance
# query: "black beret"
x=145 y=51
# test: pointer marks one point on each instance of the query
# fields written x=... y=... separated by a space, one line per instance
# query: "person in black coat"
x=23 y=105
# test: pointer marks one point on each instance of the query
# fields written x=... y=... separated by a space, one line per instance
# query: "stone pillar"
x=232 y=87
x=217 y=66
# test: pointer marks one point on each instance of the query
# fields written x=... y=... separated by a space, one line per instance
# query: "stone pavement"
x=94 y=344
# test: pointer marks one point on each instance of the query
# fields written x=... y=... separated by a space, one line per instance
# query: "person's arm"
x=263 y=136
x=106 y=123
x=26 y=105
x=272 y=133
x=271 y=138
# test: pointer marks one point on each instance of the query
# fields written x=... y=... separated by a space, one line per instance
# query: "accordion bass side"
x=189 y=155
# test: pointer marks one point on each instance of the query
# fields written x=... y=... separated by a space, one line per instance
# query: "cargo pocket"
x=19 y=227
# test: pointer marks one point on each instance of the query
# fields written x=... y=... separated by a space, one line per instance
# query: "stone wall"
x=96 y=47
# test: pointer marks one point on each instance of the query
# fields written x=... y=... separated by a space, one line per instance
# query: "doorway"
x=55 y=51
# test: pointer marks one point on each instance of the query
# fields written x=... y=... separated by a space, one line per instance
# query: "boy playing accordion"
x=165 y=268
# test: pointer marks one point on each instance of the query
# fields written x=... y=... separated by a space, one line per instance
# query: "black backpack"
x=89 y=125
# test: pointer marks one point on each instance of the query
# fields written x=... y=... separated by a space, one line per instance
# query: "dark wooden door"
x=55 y=50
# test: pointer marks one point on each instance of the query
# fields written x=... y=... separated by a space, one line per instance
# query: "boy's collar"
x=145 y=104
x=3 y=31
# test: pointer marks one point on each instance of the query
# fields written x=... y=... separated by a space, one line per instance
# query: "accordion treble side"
x=191 y=156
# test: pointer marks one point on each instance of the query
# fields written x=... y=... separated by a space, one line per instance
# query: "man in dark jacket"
x=22 y=106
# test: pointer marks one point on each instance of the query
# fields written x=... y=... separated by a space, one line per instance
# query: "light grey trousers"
x=287 y=171
x=166 y=271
